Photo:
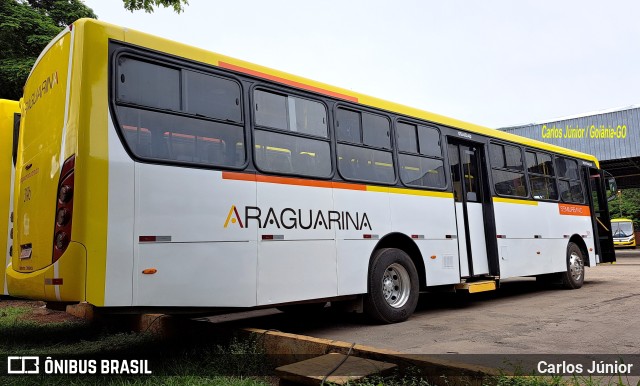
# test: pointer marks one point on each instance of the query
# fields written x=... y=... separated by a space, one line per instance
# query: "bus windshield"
x=622 y=229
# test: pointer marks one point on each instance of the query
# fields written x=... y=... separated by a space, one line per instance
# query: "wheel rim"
x=396 y=285
x=576 y=266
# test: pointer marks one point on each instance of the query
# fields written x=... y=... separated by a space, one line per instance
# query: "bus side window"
x=420 y=156
x=508 y=170
x=364 y=146
x=569 y=183
x=291 y=135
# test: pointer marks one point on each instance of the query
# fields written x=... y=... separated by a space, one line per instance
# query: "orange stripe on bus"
x=574 y=210
x=288 y=82
x=291 y=181
x=238 y=176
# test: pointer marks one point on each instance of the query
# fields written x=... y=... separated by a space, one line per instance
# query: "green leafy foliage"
x=626 y=205
x=26 y=27
x=149 y=5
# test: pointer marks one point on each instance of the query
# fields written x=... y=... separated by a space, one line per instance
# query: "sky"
x=495 y=63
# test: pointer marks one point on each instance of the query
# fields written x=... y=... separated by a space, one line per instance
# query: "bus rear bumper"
x=63 y=281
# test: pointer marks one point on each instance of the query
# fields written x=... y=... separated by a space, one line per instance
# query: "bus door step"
x=477 y=286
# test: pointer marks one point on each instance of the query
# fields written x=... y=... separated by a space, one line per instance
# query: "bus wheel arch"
x=579 y=241
x=405 y=243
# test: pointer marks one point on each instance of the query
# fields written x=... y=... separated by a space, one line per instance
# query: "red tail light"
x=64 y=209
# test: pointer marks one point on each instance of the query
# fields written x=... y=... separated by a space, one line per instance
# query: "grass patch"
x=193 y=359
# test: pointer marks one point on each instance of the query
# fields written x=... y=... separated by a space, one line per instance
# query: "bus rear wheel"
x=573 y=278
x=393 y=290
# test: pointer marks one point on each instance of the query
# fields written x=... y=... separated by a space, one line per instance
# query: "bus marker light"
x=590 y=249
x=501 y=236
x=154 y=239
x=272 y=237
x=57 y=281
x=149 y=271
x=368 y=236
x=537 y=253
x=434 y=257
x=419 y=237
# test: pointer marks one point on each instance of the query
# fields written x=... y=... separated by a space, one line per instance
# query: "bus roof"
x=197 y=54
x=621 y=220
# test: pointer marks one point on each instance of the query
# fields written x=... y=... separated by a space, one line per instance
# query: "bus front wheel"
x=393 y=289
x=573 y=278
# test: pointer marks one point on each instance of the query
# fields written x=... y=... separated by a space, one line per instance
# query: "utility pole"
x=620 y=201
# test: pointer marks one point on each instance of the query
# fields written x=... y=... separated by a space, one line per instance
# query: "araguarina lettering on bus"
x=289 y=218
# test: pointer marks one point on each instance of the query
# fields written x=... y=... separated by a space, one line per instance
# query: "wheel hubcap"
x=576 y=266
x=396 y=285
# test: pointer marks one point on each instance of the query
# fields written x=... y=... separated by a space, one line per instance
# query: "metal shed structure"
x=613 y=136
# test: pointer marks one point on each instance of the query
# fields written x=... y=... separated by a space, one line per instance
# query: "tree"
x=26 y=27
x=148 y=5
x=626 y=205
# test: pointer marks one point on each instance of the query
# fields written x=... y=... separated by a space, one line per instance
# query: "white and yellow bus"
x=156 y=175
x=624 y=235
x=9 y=125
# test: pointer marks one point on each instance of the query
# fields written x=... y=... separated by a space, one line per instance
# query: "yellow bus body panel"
x=92 y=166
x=38 y=165
x=40 y=285
x=8 y=109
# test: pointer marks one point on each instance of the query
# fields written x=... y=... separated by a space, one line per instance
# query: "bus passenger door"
x=602 y=233
x=469 y=197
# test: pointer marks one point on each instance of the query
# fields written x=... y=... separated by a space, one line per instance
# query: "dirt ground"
x=38 y=312
x=520 y=318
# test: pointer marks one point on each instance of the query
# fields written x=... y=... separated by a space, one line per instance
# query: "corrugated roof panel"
x=591 y=128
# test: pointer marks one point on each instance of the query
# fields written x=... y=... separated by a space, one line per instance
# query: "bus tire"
x=393 y=288
x=573 y=278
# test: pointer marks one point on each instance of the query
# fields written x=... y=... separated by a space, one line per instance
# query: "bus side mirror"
x=612 y=188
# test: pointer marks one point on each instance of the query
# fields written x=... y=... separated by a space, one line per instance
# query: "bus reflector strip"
x=501 y=236
x=154 y=239
x=56 y=281
x=418 y=237
x=369 y=236
x=272 y=237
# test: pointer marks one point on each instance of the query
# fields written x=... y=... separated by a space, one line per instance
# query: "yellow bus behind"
x=9 y=116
